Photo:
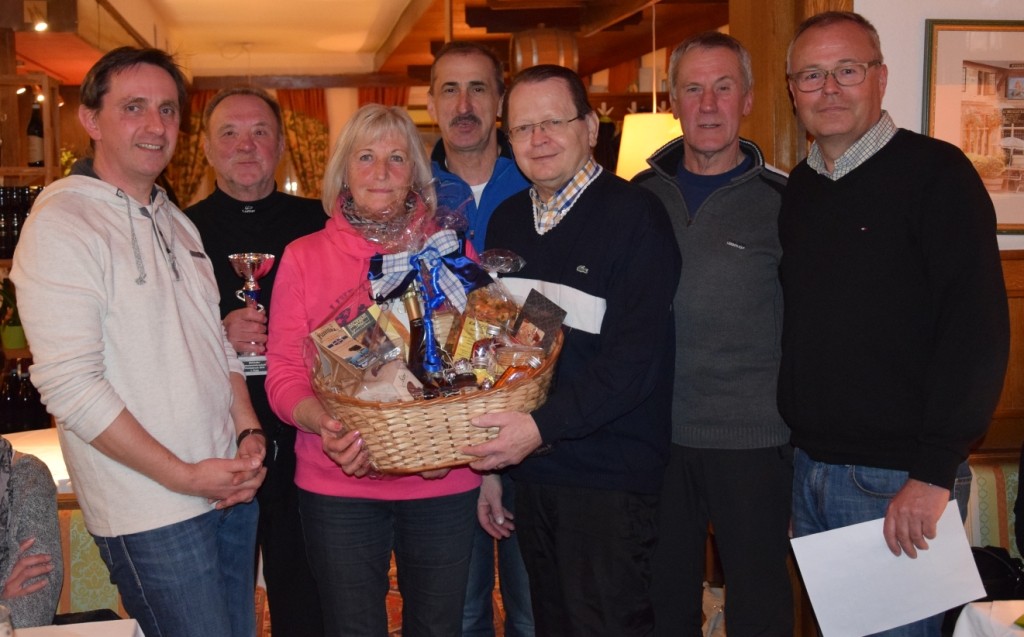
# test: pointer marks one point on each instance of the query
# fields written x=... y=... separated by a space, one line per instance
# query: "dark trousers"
x=745 y=495
x=291 y=590
x=350 y=541
x=588 y=554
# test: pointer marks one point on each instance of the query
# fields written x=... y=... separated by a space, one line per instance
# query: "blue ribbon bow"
x=452 y=274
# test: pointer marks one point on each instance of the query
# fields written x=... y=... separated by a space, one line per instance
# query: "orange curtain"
x=307 y=136
x=386 y=95
x=188 y=166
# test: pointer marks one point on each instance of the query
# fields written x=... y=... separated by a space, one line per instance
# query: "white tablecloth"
x=43 y=444
x=990 y=619
x=120 y=628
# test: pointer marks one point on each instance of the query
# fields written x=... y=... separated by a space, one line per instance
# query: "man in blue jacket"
x=472 y=161
x=475 y=172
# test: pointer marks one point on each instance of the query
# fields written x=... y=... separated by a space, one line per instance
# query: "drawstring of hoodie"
x=168 y=249
x=139 y=266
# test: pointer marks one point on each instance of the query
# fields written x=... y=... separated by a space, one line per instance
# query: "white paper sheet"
x=858 y=587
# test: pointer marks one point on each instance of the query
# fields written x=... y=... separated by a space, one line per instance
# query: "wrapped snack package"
x=486 y=308
x=389 y=383
x=343 y=353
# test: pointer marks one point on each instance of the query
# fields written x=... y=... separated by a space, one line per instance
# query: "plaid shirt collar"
x=547 y=215
x=870 y=143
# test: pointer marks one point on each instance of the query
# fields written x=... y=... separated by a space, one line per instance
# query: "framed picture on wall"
x=1015 y=87
x=974 y=98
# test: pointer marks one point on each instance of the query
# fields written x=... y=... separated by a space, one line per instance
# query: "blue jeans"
x=190 y=579
x=478 y=616
x=349 y=542
x=830 y=496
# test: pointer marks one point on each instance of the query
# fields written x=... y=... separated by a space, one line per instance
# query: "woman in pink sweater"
x=352 y=519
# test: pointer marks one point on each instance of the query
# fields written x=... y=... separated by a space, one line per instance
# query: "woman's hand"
x=434 y=474
x=26 y=568
x=345 y=447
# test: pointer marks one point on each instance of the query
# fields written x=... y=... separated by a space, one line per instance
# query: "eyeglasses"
x=524 y=131
x=845 y=75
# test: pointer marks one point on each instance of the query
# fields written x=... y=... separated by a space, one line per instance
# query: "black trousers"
x=746 y=496
x=588 y=554
x=291 y=591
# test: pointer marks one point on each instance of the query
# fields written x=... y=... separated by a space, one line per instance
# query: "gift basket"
x=437 y=349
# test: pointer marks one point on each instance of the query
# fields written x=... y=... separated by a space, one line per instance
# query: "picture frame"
x=974 y=99
x=1015 y=87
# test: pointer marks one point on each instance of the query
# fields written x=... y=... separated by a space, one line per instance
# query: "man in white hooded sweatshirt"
x=119 y=304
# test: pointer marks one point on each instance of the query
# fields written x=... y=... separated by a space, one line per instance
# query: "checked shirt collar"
x=546 y=216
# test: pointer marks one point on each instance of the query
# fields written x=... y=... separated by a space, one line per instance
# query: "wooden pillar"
x=7 y=61
x=766 y=29
x=8 y=103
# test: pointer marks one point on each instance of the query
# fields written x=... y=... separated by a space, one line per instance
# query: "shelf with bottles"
x=16 y=113
x=15 y=204
x=620 y=103
x=21 y=408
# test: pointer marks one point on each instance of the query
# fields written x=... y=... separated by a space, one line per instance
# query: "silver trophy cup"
x=251 y=266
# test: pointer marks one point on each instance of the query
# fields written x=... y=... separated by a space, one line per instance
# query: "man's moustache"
x=473 y=119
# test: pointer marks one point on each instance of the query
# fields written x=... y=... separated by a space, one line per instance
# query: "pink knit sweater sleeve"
x=288 y=377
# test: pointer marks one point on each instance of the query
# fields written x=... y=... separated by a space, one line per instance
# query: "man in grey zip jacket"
x=731 y=464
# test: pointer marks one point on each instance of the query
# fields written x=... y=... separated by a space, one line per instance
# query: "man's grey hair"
x=712 y=40
x=828 y=18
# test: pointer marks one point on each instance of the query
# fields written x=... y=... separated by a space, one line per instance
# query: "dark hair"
x=712 y=40
x=544 y=72
x=223 y=94
x=461 y=47
x=828 y=18
x=97 y=81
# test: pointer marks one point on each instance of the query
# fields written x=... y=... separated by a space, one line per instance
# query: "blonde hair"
x=371 y=122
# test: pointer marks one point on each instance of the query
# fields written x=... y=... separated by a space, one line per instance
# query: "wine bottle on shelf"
x=6 y=205
x=33 y=412
x=35 y=136
x=10 y=407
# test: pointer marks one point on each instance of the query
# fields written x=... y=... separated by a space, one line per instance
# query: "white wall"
x=901 y=26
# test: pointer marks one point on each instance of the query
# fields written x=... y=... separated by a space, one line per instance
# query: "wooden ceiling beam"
x=676 y=22
x=503 y=5
x=598 y=17
x=513 y=20
x=345 y=80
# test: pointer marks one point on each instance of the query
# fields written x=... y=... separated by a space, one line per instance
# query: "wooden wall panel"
x=1006 y=432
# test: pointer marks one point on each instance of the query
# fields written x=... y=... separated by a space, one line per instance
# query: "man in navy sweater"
x=896 y=329
x=603 y=250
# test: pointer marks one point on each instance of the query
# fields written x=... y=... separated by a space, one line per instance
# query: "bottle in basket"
x=418 y=344
x=518 y=372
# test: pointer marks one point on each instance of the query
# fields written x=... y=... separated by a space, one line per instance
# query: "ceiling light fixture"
x=644 y=133
x=35 y=14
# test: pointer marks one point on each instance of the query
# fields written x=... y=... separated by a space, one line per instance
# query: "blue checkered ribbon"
x=451 y=273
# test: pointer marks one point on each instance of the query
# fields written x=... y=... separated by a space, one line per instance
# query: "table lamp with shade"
x=644 y=133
